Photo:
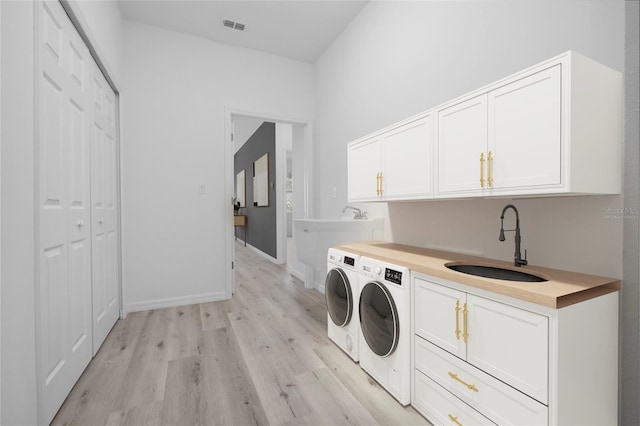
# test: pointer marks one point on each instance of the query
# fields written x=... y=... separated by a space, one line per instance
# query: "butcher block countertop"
x=562 y=289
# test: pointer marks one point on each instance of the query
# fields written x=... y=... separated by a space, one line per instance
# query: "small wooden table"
x=240 y=221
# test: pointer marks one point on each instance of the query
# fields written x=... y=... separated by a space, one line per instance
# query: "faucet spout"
x=518 y=260
x=357 y=213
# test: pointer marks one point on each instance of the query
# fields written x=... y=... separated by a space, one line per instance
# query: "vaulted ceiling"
x=301 y=29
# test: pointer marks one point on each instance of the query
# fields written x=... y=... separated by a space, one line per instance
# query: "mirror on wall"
x=241 y=189
x=261 y=181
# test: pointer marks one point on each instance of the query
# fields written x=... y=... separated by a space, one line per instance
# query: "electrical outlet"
x=334 y=193
x=203 y=188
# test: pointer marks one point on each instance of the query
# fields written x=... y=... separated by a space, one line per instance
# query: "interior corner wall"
x=177 y=88
x=261 y=221
x=375 y=74
x=18 y=362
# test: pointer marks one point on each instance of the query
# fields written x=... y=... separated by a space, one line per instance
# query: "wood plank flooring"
x=261 y=358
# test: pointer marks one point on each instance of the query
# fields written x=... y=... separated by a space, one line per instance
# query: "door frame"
x=307 y=183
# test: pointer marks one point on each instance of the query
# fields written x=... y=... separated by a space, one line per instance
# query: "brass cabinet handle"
x=490 y=168
x=381 y=190
x=457 y=320
x=482 y=169
x=454 y=419
x=455 y=377
x=465 y=333
x=377 y=183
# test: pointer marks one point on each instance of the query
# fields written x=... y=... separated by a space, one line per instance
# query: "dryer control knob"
x=378 y=270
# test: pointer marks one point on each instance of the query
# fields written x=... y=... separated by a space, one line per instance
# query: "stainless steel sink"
x=495 y=272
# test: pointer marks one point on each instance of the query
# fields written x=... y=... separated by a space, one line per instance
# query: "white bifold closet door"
x=77 y=272
x=104 y=216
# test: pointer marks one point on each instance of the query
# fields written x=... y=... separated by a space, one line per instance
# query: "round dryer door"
x=379 y=319
x=337 y=291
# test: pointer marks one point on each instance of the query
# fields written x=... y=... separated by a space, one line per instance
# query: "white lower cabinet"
x=511 y=362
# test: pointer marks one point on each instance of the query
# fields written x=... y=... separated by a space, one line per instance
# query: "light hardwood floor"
x=261 y=358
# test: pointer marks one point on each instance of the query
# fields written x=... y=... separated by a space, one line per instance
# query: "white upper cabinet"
x=525 y=132
x=462 y=145
x=394 y=164
x=363 y=169
x=552 y=129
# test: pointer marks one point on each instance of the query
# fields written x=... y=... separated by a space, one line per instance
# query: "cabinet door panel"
x=363 y=166
x=524 y=131
x=510 y=344
x=462 y=137
x=406 y=160
x=435 y=315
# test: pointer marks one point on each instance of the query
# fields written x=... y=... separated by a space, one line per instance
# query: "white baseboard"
x=174 y=301
x=265 y=255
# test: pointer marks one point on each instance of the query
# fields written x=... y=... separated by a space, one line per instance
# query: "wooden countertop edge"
x=562 y=289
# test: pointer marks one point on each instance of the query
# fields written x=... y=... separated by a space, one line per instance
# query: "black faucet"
x=518 y=261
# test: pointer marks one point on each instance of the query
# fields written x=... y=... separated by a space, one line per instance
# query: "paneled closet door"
x=104 y=218
x=64 y=333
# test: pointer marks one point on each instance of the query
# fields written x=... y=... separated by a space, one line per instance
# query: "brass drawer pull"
x=454 y=419
x=458 y=379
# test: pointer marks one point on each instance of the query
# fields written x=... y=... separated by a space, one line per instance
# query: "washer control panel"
x=393 y=276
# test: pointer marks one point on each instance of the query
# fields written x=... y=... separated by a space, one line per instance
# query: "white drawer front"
x=442 y=408
x=493 y=398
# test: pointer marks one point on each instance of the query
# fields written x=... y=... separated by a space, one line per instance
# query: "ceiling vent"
x=232 y=24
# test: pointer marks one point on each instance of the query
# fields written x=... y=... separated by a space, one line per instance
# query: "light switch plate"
x=203 y=188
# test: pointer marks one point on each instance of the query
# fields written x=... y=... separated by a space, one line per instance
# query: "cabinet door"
x=462 y=138
x=524 y=131
x=363 y=169
x=509 y=343
x=438 y=316
x=406 y=160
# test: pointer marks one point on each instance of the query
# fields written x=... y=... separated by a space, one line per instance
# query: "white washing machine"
x=385 y=326
x=341 y=291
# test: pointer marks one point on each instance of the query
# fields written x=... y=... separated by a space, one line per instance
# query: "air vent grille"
x=234 y=25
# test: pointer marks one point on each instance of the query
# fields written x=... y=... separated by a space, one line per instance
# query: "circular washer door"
x=379 y=319
x=337 y=291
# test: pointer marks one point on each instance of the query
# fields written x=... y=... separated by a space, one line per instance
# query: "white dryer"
x=341 y=293
x=385 y=329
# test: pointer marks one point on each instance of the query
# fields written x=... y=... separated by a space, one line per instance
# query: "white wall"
x=18 y=289
x=399 y=58
x=298 y=182
x=177 y=88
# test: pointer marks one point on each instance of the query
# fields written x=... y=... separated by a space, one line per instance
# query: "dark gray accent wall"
x=630 y=292
x=261 y=221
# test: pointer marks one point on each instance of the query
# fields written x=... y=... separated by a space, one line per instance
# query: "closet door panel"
x=106 y=307
x=64 y=241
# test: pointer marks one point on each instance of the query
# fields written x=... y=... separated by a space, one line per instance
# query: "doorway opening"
x=268 y=215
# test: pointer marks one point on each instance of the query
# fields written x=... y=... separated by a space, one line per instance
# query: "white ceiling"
x=301 y=29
